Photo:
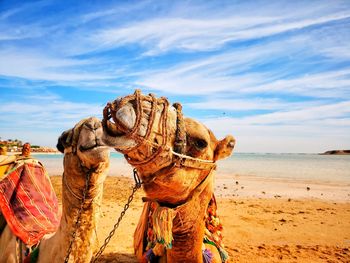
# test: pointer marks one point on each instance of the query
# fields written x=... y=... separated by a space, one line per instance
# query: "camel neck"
x=85 y=240
x=188 y=229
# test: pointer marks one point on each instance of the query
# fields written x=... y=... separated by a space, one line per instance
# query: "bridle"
x=72 y=141
x=110 y=112
x=164 y=159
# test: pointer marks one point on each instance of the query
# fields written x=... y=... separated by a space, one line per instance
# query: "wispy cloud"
x=249 y=104
x=325 y=84
x=161 y=35
x=307 y=113
x=255 y=70
x=58 y=112
x=41 y=118
x=29 y=64
x=331 y=120
x=164 y=34
x=21 y=32
x=311 y=129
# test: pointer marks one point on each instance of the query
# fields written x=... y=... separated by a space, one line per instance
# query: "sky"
x=274 y=74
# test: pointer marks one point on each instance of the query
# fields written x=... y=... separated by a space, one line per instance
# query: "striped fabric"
x=28 y=202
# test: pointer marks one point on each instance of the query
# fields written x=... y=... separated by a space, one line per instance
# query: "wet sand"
x=277 y=229
x=231 y=186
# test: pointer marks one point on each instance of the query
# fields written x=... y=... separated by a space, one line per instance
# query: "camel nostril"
x=89 y=125
x=97 y=125
x=93 y=124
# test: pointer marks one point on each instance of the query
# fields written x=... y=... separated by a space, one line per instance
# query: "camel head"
x=86 y=158
x=159 y=143
x=172 y=154
x=85 y=141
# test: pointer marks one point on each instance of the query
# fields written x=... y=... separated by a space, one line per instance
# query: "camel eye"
x=200 y=144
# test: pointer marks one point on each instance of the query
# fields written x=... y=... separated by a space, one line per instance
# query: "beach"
x=267 y=214
x=256 y=229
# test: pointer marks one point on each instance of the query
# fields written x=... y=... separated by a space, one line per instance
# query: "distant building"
x=16 y=146
x=12 y=145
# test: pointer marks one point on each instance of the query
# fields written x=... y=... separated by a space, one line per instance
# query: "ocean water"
x=53 y=163
x=306 y=167
x=303 y=167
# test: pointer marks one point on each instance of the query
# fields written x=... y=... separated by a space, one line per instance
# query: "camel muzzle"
x=123 y=118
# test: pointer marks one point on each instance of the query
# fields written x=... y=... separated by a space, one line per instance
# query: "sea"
x=290 y=166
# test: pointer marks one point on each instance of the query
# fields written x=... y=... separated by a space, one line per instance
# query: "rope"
x=90 y=190
x=183 y=156
x=151 y=115
x=180 y=136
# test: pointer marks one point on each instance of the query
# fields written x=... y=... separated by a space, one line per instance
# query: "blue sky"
x=275 y=74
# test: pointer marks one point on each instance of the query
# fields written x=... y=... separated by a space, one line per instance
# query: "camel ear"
x=64 y=141
x=224 y=148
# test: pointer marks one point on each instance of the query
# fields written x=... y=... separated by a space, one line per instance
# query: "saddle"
x=28 y=203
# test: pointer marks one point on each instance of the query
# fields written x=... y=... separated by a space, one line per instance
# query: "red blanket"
x=28 y=202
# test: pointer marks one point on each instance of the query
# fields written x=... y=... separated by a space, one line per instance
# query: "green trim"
x=206 y=241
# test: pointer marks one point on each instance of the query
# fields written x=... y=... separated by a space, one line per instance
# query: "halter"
x=72 y=141
x=164 y=159
x=176 y=155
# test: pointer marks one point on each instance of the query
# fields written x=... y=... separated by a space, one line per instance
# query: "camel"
x=175 y=158
x=85 y=155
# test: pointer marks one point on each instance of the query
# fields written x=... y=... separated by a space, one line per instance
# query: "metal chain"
x=77 y=222
x=138 y=184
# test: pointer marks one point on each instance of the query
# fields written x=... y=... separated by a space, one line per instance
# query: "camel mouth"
x=92 y=147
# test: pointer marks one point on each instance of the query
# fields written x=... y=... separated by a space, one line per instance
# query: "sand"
x=256 y=229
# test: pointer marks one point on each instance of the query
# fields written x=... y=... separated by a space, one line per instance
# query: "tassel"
x=207 y=256
x=163 y=225
x=223 y=254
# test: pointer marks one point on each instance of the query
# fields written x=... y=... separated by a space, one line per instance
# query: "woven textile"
x=28 y=202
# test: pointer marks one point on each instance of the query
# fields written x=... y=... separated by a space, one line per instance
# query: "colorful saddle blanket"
x=28 y=202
